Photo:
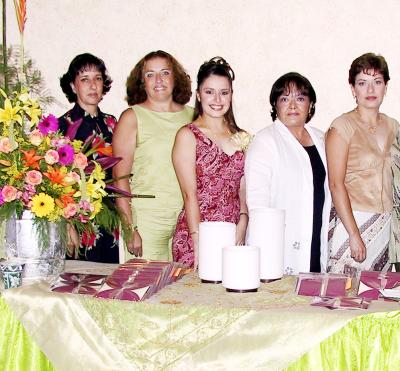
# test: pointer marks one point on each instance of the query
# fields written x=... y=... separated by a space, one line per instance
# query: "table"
x=190 y=325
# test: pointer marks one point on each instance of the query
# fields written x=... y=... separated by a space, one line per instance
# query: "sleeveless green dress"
x=153 y=173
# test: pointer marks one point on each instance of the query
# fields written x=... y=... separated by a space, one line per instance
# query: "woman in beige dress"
x=359 y=164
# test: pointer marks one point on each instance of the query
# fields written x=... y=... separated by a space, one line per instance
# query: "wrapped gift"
x=76 y=283
x=126 y=291
x=371 y=282
x=341 y=302
x=322 y=284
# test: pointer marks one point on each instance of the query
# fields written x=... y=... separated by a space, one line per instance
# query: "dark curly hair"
x=366 y=62
x=216 y=66
x=283 y=85
x=81 y=63
x=135 y=92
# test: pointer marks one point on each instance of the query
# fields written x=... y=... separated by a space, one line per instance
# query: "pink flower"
x=75 y=176
x=33 y=177
x=66 y=154
x=85 y=206
x=51 y=157
x=59 y=142
x=36 y=137
x=5 y=145
x=27 y=199
x=48 y=124
x=110 y=122
x=1 y=198
x=9 y=193
x=70 y=210
x=30 y=188
x=72 y=178
x=83 y=219
x=80 y=161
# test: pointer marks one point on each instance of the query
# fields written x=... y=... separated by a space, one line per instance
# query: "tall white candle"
x=213 y=236
x=266 y=230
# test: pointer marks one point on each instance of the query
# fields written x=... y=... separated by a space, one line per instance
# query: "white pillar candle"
x=213 y=236
x=241 y=268
x=266 y=230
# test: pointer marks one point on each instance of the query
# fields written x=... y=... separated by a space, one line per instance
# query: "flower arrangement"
x=50 y=175
x=241 y=140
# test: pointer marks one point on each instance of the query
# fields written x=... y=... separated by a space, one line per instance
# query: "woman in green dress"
x=157 y=90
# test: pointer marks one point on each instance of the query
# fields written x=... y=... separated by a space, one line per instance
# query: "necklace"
x=225 y=131
x=371 y=127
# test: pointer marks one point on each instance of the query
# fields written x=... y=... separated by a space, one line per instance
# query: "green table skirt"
x=17 y=349
x=369 y=342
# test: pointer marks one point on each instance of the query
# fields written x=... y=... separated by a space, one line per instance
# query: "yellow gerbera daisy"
x=42 y=205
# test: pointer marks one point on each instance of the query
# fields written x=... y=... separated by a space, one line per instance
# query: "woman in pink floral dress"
x=209 y=161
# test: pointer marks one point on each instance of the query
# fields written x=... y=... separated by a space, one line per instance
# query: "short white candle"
x=241 y=268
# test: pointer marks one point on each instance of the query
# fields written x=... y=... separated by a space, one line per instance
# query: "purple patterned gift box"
x=77 y=283
x=341 y=302
x=371 y=282
x=322 y=284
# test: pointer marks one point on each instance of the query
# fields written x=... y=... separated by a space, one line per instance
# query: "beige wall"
x=260 y=39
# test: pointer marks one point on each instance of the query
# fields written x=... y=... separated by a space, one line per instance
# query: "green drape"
x=368 y=343
x=17 y=349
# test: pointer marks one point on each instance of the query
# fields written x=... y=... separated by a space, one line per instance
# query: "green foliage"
x=108 y=217
x=8 y=209
x=42 y=230
x=33 y=77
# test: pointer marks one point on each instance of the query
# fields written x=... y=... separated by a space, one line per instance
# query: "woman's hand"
x=241 y=228
x=73 y=241
x=357 y=248
x=134 y=246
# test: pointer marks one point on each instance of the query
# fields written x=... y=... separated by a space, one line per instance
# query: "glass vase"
x=43 y=256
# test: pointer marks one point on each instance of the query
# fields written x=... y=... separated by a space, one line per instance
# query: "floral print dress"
x=99 y=246
x=218 y=184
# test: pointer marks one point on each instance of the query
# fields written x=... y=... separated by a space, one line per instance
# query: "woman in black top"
x=85 y=83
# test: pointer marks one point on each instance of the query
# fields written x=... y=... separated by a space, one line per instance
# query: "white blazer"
x=279 y=175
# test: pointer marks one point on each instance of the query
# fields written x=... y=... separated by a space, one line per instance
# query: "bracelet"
x=243 y=213
x=194 y=232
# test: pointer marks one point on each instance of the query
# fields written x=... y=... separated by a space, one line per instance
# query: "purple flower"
x=66 y=154
x=48 y=124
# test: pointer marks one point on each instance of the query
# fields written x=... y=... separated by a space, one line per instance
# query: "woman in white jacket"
x=286 y=169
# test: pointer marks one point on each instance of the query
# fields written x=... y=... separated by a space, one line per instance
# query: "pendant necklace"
x=370 y=127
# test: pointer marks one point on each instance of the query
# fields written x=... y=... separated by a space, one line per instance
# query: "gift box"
x=341 y=302
x=372 y=282
x=127 y=291
x=135 y=280
x=322 y=284
x=87 y=284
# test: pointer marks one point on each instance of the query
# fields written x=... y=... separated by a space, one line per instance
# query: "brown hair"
x=135 y=92
x=366 y=62
x=220 y=67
